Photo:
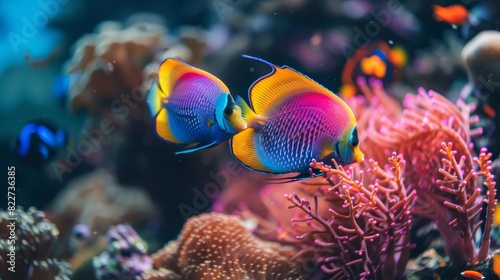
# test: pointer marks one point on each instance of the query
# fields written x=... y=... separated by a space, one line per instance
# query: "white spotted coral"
x=218 y=246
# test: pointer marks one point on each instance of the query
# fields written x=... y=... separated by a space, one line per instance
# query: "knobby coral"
x=219 y=246
x=32 y=240
x=366 y=235
x=126 y=256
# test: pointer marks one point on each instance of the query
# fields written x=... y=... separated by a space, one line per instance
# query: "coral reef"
x=97 y=201
x=366 y=234
x=442 y=185
x=110 y=62
x=219 y=246
x=125 y=257
x=33 y=239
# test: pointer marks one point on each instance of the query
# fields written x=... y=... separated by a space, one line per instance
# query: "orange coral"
x=218 y=246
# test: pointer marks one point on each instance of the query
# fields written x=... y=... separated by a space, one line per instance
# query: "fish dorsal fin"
x=244 y=150
x=283 y=82
x=172 y=69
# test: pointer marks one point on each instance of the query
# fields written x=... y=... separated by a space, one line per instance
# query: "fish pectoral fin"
x=197 y=148
x=162 y=128
x=244 y=150
x=210 y=123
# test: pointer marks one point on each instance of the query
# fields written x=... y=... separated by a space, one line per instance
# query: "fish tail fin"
x=162 y=127
x=250 y=117
x=154 y=99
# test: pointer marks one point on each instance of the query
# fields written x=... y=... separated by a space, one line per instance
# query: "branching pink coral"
x=369 y=231
x=447 y=189
x=456 y=214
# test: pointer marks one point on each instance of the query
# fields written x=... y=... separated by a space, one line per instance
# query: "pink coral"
x=366 y=234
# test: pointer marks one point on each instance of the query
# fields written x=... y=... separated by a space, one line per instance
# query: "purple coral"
x=126 y=256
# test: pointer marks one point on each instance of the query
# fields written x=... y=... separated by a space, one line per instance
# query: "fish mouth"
x=242 y=126
x=360 y=159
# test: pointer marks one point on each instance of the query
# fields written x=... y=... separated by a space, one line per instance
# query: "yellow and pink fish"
x=291 y=119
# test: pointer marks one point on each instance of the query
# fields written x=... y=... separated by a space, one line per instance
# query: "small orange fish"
x=454 y=14
x=472 y=274
x=496 y=263
x=489 y=111
x=373 y=66
x=378 y=60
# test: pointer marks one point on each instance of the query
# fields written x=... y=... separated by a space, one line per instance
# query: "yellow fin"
x=155 y=99
x=243 y=149
x=162 y=128
x=269 y=91
x=172 y=69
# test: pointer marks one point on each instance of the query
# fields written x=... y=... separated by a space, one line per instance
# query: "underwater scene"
x=249 y=139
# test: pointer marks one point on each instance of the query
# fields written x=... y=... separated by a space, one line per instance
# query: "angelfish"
x=192 y=107
x=292 y=120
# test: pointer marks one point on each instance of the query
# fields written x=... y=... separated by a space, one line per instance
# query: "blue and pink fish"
x=291 y=119
x=192 y=107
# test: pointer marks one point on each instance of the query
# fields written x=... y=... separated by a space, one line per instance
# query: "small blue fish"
x=39 y=142
x=191 y=106
x=293 y=120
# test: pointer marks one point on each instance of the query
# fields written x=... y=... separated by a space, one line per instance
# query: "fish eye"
x=228 y=110
x=354 y=137
x=229 y=106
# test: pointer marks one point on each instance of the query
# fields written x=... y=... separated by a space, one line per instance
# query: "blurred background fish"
x=378 y=60
x=293 y=120
x=39 y=141
x=191 y=106
x=455 y=14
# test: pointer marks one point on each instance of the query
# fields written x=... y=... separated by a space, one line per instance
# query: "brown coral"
x=109 y=63
x=218 y=246
x=33 y=239
x=97 y=201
